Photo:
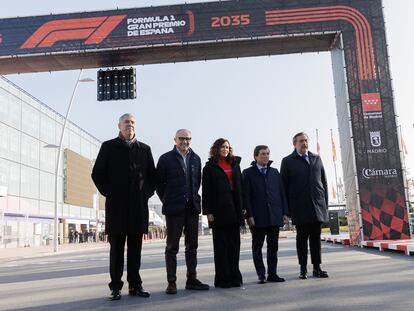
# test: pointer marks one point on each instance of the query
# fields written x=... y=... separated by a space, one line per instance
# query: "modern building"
x=29 y=133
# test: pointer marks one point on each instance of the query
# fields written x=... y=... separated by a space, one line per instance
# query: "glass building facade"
x=28 y=131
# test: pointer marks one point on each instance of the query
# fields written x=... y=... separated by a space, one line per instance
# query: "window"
x=10 y=107
x=48 y=159
x=47 y=186
x=30 y=120
x=4 y=105
x=13 y=204
x=4 y=141
x=30 y=151
x=10 y=176
x=85 y=148
x=87 y=213
x=47 y=129
x=46 y=208
x=14 y=178
x=29 y=206
x=14 y=145
x=30 y=182
x=15 y=108
x=74 y=142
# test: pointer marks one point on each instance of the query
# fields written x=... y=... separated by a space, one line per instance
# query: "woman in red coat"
x=222 y=203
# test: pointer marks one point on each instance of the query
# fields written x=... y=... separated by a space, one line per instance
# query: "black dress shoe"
x=115 y=295
x=320 y=274
x=195 y=284
x=262 y=280
x=171 y=288
x=303 y=275
x=139 y=291
x=275 y=278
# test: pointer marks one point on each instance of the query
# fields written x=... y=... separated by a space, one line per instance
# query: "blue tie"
x=305 y=156
x=263 y=171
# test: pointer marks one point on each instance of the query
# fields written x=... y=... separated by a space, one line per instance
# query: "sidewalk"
x=10 y=254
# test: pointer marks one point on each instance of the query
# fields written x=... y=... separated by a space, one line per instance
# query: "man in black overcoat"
x=306 y=189
x=124 y=172
x=179 y=179
x=266 y=206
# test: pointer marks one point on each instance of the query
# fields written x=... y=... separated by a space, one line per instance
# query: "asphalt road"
x=360 y=279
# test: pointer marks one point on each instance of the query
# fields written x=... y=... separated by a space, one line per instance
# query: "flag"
x=403 y=146
x=333 y=148
x=318 y=147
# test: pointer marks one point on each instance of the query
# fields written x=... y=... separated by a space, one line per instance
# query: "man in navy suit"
x=266 y=206
x=306 y=189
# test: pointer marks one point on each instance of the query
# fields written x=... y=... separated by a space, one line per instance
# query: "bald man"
x=179 y=178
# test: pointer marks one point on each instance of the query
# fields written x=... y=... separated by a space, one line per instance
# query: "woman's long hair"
x=215 y=151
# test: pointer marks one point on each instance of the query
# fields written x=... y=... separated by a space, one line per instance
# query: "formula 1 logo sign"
x=159 y=25
x=93 y=30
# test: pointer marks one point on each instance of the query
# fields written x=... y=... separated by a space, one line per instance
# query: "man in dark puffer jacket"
x=179 y=178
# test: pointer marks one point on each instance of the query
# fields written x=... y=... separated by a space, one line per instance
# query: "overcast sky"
x=250 y=101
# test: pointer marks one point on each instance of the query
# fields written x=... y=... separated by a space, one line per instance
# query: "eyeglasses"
x=185 y=138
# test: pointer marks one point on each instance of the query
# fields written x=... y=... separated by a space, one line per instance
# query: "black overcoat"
x=125 y=175
x=171 y=184
x=264 y=196
x=306 y=188
x=218 y=198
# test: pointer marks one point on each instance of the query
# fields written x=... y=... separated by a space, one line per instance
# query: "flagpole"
x=317 y=142
x=402 y=143
x=334 y=161
x=404 y=169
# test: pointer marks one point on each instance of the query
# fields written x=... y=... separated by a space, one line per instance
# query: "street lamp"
x=59 y=147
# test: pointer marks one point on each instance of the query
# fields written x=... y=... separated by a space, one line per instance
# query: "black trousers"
x=226 y=243
x=272 y=240
x=175 y=227
x=116 y=260
x=311 y=232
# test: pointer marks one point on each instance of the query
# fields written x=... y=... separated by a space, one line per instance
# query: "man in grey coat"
x=306 y=189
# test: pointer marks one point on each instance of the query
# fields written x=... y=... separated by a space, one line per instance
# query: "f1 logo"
x=93 y=29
